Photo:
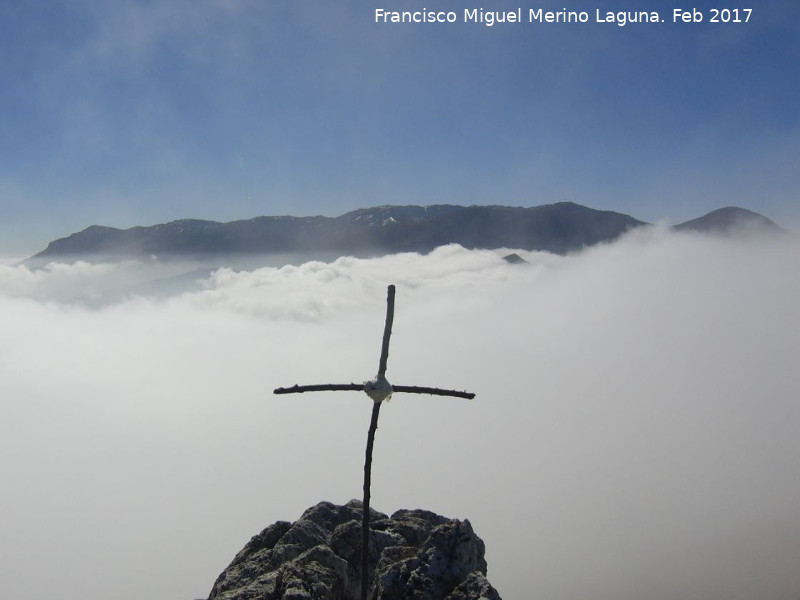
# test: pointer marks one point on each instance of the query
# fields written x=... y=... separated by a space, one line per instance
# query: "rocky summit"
x=414 y=555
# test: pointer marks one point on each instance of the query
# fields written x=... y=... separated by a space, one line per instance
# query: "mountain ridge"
x=560 y=228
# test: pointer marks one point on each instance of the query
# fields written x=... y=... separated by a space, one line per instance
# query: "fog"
x=634 y=434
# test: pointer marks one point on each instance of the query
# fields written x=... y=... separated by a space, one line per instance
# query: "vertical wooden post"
x=373 y=425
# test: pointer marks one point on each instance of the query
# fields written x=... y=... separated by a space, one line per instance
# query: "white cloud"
x=633 y=434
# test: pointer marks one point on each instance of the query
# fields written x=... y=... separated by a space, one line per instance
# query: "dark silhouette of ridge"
x=559 y=228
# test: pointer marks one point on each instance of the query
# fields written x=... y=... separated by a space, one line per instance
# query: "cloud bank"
x=633 y=435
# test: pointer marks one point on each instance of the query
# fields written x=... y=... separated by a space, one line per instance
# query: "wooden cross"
x=379 y=389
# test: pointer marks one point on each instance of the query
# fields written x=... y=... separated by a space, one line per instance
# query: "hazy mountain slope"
x=731 y=219
x=560 y=228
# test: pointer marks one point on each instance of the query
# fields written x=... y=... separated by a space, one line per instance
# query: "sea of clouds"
x=634 y=434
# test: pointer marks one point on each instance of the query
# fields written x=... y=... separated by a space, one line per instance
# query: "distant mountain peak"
x=731 y=219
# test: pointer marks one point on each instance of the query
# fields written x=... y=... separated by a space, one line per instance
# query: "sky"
x=633 y=435
x=141 y=112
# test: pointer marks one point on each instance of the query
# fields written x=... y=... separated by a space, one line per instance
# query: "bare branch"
x=373 y=426
x=322 y=387
x=415 y=389
x=387 y=332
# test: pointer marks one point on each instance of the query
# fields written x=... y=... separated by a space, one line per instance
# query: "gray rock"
x=514 y=259
x=414 y=555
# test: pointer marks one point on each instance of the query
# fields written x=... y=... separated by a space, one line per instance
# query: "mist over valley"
x=632 y=435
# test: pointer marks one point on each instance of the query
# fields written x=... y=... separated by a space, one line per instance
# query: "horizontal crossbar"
x=359 y=387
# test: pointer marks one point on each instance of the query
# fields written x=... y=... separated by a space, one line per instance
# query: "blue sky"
x=137 y=112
